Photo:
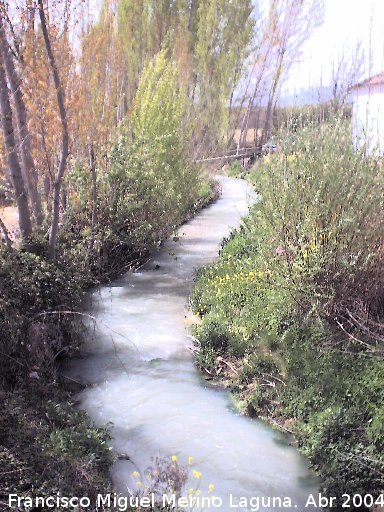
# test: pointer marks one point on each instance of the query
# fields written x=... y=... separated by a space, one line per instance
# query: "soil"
x=10 y=217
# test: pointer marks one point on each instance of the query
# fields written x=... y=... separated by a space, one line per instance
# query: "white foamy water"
x=142 y=379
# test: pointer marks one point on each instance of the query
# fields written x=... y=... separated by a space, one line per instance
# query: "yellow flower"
x=211 y=487
x=190 y=460
x=196 y=474
x=136 y=474
x=138 y=483
x=174 y=458
x=190 y=492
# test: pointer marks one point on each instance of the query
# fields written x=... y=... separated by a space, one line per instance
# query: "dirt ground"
x=10 y=217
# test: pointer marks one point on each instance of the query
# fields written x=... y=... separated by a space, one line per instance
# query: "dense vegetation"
x=101 y=123
x=149 y=189
x=294 y=305
x=98 y=138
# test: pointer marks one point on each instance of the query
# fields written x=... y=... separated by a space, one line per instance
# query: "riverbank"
x=46 y=444
x=140 y=377
x=290 y=316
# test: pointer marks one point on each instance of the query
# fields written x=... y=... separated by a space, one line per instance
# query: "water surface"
x=143 y=380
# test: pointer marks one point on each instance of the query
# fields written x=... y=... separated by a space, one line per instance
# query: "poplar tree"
x=65 y=136
x=12 y=156
x=28 y=164
x=224 y=32
x=209 y=41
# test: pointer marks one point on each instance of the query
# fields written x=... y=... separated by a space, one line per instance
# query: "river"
x=141 y=378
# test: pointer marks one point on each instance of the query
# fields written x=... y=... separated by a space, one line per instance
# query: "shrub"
x=321 y=215
x=236 y=169
x=258 y=365
x=50 y=447
x=34 y=332
x=301 y=283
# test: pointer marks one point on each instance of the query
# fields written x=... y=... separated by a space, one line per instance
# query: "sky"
x=346 y=22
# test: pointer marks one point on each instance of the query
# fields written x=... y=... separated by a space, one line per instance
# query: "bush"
x=321 y=209
x=301 y=283
x=35 y=330
x=258 y=365
x=235 y=169
x=50 y=447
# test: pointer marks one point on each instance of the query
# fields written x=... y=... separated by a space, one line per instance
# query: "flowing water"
x=142 y=379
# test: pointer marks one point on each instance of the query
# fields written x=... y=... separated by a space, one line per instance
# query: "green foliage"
x=145 y=27
x=33 y=292
x=261 y=401
x=295 y=118
x=238 y=289
x=46 y=447
x=321 y=212
x=158 y=127
x=150 y=187
x=73 y=437
x=236 y=169
x=301 y=284
x=209 y=40
x=223 y=34
x=258 y=365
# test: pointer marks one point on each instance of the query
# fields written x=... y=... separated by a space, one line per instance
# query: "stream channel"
x=141 y=378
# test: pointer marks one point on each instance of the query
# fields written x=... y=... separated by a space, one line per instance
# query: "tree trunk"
x=64 y=140
x=92 y=167
x=271 y=97
x=12 y=157
x=30 y=174
x=192 y=18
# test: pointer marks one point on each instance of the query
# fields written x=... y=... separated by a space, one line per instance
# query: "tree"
x=95 y=92
x=294 y=21
x=30 y=173
x=158 y=126
x=224 y=33
x=347 y=70
x=284 y=27
x=209 y=42
x=146 y=27
x=65 y=137
x=12 y=156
